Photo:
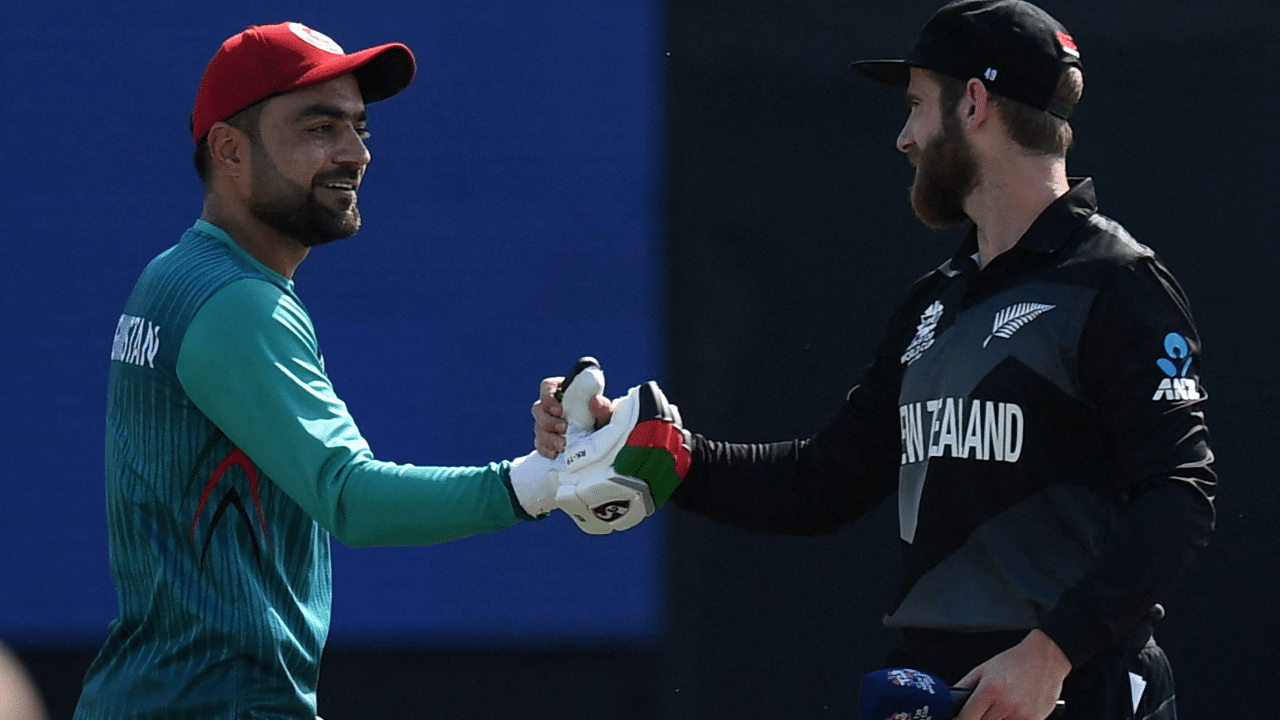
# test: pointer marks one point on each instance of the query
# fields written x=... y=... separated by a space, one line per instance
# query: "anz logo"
x=1176 y=385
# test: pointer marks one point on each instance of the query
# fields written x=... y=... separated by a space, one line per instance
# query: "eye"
x=363 y=133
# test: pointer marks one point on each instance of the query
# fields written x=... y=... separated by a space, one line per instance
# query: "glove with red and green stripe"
x=657 y=450
x=646 y=469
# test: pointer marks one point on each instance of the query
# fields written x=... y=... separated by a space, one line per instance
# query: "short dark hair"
x=247 y=121
x=1033 y=130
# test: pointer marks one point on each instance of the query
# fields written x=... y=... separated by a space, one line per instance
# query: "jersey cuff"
x=1079 y=637
x=504 y=471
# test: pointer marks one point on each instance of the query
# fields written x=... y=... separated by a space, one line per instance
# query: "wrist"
x=534 y=482
x=1050 y=653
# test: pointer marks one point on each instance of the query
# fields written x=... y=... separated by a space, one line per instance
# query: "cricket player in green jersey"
x=231 y=461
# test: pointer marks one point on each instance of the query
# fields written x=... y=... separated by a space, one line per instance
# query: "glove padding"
x=534 y=481
x=537 y=481
x=610 y=485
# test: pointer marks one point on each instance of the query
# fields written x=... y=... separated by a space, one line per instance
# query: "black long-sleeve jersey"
x=1041 y=421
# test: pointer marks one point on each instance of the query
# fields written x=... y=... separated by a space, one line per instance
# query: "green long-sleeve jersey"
x=230 y=461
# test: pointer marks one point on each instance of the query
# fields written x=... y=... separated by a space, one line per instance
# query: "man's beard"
x=946 y=172
x=294 y=211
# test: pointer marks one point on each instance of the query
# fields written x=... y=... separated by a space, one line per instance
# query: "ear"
x=230 y=150
x=976 y=106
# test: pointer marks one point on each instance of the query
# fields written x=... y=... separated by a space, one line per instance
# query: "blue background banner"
x=509 y=228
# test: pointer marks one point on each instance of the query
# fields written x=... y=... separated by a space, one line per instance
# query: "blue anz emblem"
x=1176 y=385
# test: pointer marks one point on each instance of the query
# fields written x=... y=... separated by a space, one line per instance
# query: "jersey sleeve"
x=813 y=486
x=1140 y=359
x=250 y=362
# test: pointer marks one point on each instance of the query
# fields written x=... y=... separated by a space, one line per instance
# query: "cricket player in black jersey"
x=1035 y=404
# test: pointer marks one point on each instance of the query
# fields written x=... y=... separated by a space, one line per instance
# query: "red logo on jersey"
x=230 y=499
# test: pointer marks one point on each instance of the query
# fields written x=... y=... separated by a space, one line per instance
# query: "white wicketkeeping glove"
x=580 y=480
x=534 y=478
x=647 y=457
x=599 y=500
x=615 y=477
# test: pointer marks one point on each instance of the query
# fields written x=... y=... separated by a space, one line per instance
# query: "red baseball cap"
x=267 y=60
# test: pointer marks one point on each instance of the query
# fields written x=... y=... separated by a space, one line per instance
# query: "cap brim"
x=387 y=70
x=890 y=72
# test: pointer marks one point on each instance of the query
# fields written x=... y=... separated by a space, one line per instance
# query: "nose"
x=352 y=150
x=906 y=140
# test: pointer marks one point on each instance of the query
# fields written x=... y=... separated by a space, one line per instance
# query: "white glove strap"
x=535 y=480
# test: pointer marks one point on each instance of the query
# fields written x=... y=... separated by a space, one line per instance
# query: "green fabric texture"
x=655 y=466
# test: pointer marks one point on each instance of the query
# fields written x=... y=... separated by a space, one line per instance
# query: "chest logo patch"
x=924 y=333
x=1177 y=386
x=1013 y=318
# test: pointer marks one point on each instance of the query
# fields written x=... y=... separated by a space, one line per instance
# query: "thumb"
x=971 y=710
x=970 y=681
x=601 y=409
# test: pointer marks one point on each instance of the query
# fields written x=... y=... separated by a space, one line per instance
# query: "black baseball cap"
x=1016 y=48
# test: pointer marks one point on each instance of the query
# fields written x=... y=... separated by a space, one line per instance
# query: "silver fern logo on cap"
x=1011 y=319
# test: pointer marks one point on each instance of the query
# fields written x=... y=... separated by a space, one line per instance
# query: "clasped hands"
x=605 y=479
